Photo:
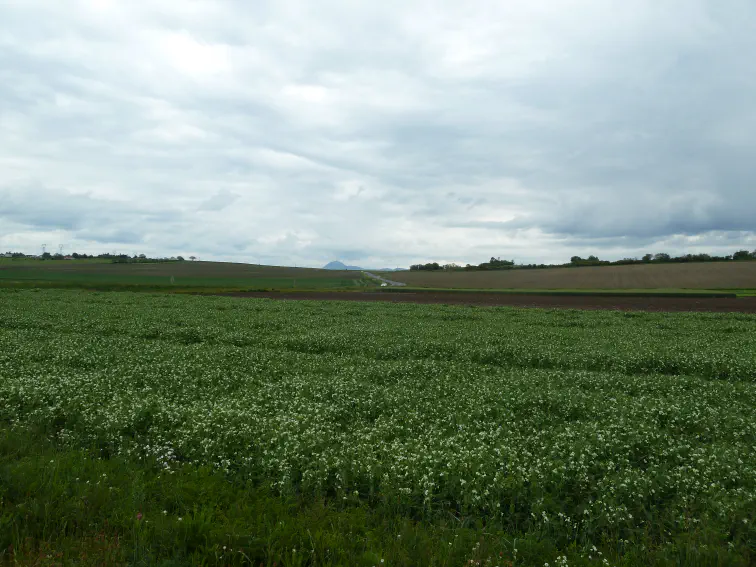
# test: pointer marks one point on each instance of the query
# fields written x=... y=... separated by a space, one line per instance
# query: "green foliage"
x=492 y=264
x=592 y=261
x=630 y=432
x=72 y=507
x=496 y=264
x=743 y=255
x=430 y=266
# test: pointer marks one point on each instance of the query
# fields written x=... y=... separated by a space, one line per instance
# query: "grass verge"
x=69 y=507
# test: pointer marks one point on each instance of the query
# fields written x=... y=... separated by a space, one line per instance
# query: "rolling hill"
x=337 y=265
x=173 y=276
x=713 y=275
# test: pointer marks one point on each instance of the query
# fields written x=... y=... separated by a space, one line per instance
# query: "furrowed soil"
x=739 y=305
x=712 y=275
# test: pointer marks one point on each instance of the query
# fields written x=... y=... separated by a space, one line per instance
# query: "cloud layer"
x=296 y=132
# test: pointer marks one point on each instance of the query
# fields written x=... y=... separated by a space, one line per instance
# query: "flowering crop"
x=578 y=424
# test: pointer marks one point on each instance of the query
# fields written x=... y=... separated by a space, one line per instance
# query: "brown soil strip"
x=740 y=305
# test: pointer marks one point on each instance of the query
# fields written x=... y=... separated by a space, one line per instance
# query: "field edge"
x=137 y=512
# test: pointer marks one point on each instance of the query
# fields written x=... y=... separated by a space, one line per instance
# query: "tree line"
x=114 y=258
x=660 y=258
x=492 y=264
x=664 y=258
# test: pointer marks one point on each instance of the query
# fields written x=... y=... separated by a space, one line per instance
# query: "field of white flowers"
x=583 y=425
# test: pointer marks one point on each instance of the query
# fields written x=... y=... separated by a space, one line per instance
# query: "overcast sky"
x=378 y=133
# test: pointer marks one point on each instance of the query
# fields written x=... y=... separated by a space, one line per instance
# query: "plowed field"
x=742 y=305
x=714 y=275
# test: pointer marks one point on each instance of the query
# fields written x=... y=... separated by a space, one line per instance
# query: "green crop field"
x=177 y=276
x=143 y=428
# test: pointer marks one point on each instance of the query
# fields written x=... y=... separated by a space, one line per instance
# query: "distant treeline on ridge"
x=661 y=258
x=115 y=258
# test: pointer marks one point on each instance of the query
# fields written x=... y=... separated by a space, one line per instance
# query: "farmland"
x=662 y=301
x=414 y=434
x=176 y=276
x=218 y=277
x=709 y=276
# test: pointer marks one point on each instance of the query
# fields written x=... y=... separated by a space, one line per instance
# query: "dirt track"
x=742 y=305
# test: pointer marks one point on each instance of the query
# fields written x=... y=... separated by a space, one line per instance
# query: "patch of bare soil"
x=722 y=305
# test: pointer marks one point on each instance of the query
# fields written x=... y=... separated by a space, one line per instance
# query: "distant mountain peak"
x=336 y=265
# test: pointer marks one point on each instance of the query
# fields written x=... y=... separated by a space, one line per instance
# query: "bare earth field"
x=713 y=275
x=741 y=305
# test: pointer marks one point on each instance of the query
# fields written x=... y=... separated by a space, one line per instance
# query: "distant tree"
x=648 y=257
x=192 y=258
x=430 y=266
x=498 y=263
x=180 y=258
x=661 y=257
x=46 y=256
x=742 y=255
x=591 y=260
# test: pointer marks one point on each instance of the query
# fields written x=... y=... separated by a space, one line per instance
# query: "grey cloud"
x=219 y=201
x=117 y=236
x=641 y=214
x=42 y=208
x=475 y=129
x=82 y=216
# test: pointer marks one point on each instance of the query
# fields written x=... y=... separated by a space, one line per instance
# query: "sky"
x=381 y=133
